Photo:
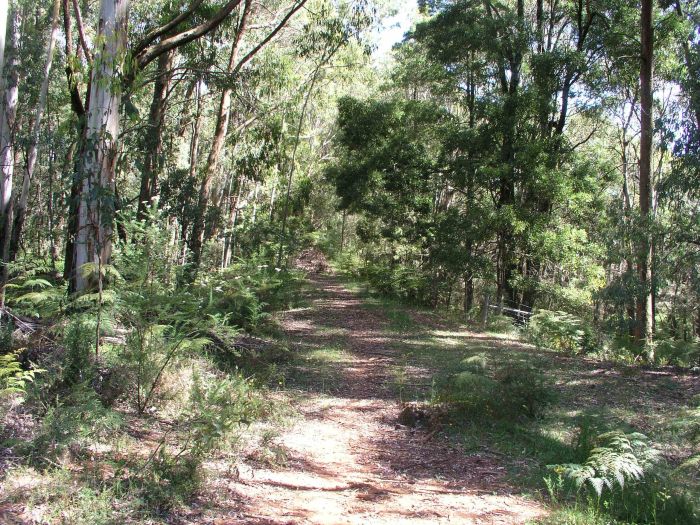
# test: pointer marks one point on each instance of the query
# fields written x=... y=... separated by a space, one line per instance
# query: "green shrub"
x=76 y=421
x=679 y=353
x=622 y=477
x=500 y=324
x=78 y=340
x=560 y=331
x=149 y=352
x=513 y=390
x=406 y=283
x=34 y=296
x=13 y=378
x=7 y=328
x=248 y=291
x=217 y=407
x=348 y=263
x=523 y=389
x=170 y=480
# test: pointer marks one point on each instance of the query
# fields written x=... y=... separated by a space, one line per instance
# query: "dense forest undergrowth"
x=270 y=261
x=346 y=404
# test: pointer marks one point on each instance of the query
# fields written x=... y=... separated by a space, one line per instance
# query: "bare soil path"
x=347 y=460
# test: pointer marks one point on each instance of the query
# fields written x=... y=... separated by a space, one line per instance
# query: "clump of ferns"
x=615 y=460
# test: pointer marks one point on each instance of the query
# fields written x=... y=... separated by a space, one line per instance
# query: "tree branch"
x=75 y=101
x=269 y=37
x=81 y=31
x=151 y=52
x=166 y=28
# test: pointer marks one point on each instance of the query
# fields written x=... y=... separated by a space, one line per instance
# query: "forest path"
x=347 y=460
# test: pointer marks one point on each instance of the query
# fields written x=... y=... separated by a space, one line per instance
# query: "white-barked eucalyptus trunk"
x=93 y=245
x=9 y=89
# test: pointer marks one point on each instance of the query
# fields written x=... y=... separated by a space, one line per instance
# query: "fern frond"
x=36 y=283
x=618 y=459
x=37 y=297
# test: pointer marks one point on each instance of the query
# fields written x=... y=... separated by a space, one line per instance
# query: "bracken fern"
x=617 y=459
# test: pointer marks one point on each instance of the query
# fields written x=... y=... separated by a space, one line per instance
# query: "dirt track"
x=347 y=461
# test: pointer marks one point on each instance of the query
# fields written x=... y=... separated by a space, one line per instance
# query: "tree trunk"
x=220 y=132
x=342 y=230
x=468 y=293
x=93 y=242
x=645 y=303
x=4 y=6
x=153 y=161
x=8 y=113
x=693 y=80
x=21 y=210
x=193 y=156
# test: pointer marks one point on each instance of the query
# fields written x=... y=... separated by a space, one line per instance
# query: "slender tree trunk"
x=468 y=293
x=292 y=166
x=93 y=243
x=342 y=231
x=153 y=160
x=8 y=113
x=75 y=151
x=693 y=81
x=645 y=305
x=220 y=132
x=193 y=156
x=21 y=210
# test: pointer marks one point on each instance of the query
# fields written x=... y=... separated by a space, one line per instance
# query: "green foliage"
x=7 y=328
x=217 y=407
x=500 y=324
x=149 y=351
x=247 y=291
x=622 y=477
x=560 y=331
x=679 y=353
x=78 y=339
x=403 y=282
x=512 y=390
x=73 y=423
x=34 y=296
x=13 y=378
x=170 y=480
x=617 y=458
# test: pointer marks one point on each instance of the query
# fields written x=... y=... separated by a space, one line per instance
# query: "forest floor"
x=353 y=435
x=347 y=459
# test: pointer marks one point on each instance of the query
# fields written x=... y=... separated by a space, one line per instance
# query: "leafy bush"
x=170 y=480
x=75 y=421
x=500 y=324
x=247 y=291
x=7 y=328
x=218 y=406
x=560 y=331
x=78 y=339
x=679 y=353
x=401 y=282
x=622 y=477
x=510 y=391
x=149 y=351
x=617 y=458
x=13 y=378
x=523 y=389
x=29 y=293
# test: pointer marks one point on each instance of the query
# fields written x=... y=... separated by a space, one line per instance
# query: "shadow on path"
x=348 y=461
